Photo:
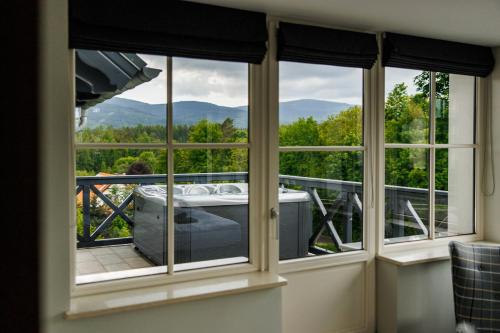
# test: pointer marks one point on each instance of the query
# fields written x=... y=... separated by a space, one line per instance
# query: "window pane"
x=406 y=106
x=211 y=207
x=406 y=194
x=454 y=195
x=210 y=101
x=321 y=195
x=455 y=98
x=320 y=105
x=121 y=97
x=117 y=214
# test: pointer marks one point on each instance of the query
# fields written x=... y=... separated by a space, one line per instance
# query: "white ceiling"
x=468 y=21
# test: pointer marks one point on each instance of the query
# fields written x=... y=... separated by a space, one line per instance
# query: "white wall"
x=325 y=300
x=492 y=203
x=416 y=298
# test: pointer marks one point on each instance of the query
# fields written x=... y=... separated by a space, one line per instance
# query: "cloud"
x=394 y=76
x=226 y=83
x=223 y=83
x=154 y=91
x=330 y=83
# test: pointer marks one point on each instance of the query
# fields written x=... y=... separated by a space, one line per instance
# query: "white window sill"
x=413 y=257
x=423 y=255
x=140 y=298
x=323 y=261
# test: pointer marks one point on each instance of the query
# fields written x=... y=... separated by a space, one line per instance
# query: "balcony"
x=334 y=223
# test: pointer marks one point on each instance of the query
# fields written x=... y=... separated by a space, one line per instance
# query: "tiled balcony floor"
x=109 y=259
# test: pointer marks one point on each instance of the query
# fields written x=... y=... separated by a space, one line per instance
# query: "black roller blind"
x=172 y=28
x=304 y=43
x=436 y=55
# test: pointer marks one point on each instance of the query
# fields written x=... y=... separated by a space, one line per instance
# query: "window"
x=429 y=155
x=167 y=157
x=211 y=186
x=156 y=191
x=321 y=162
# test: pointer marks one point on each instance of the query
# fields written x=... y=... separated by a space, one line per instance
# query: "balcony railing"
x=402 y=202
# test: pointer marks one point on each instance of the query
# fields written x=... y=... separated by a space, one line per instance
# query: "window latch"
x=275 y=214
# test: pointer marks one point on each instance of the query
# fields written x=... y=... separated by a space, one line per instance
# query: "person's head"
x=139 y=168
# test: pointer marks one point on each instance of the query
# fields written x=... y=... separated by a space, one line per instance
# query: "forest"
x=406 y=121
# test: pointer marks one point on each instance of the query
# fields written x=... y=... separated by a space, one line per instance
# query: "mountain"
x=121 y=112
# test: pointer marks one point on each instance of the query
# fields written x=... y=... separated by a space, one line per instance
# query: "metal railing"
x=344 y=200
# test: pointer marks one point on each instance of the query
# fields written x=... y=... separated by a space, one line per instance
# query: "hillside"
x=120 y=112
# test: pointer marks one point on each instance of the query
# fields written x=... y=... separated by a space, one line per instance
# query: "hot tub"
x=212 y=222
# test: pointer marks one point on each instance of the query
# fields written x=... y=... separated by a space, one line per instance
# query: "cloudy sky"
x=329 y=83
x=226 y=83
x=222 y=83
x=398 y=75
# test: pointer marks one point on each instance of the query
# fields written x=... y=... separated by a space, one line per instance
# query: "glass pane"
x=211 y=207
x=455 y=99
x=406 y=194
x=210 y=101
x=320 y=105
x=119 y=216
x=454 y=195
x=407 y=105
x=120 y=97
x=321 y=195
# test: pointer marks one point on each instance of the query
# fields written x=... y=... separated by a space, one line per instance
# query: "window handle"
x=275 y=214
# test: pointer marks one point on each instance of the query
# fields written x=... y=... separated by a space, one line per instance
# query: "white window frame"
x=257 y=208
x=264 y=170
x=369 y=104
x=431 y=241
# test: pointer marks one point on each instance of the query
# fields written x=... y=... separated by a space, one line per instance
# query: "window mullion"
x=432 y=155
x=170 y=171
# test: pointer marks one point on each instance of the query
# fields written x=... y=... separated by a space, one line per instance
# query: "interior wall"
x=409 y=294
x=325 y=300
x=491 y=206
x=251 y=312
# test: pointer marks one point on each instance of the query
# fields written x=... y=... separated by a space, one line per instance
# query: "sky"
x=222 y=83
x=398 y=75
x=226 y=83
x=329 y=83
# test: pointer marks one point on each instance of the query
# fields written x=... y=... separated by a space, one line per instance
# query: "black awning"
x=436 y=55
x=102 y=75
x=171 y=28
x=317 y=45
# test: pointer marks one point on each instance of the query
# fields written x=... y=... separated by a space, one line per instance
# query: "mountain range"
x=121 y=112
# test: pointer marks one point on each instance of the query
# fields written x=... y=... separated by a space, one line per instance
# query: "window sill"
x=101 y=304
x=408 y=258
x=423 y=255
x=337 y=259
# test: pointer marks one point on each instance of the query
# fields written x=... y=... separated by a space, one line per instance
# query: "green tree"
x=303 y=132
x=150 y=159
x=344 y=129
x=121 y=165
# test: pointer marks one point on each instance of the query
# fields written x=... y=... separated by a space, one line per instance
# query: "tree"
x=205 y=131
x=422 y=82
x=344 y=129
x=121 y=165
x=149 y=158
x=303 y=132
x=228 y=130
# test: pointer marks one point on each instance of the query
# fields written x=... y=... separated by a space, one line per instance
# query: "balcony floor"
x=109 y=259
